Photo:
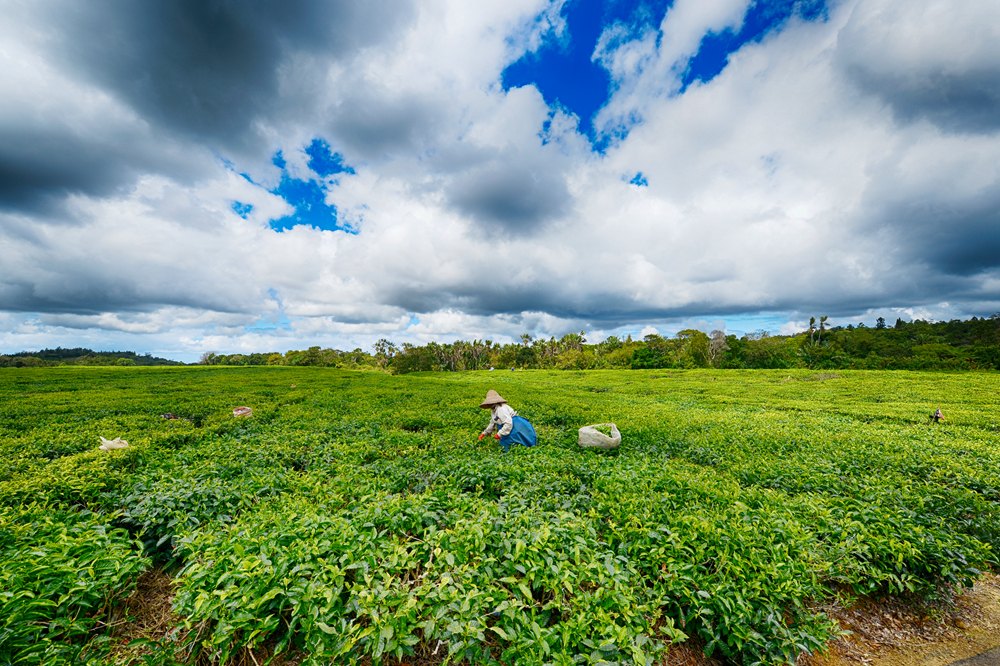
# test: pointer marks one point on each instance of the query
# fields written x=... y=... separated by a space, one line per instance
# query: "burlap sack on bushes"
x=592 y=438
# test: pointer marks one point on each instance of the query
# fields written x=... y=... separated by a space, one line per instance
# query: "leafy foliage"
x=354 y=517
x=80 y=356
x=916 y=345
x=61 y=573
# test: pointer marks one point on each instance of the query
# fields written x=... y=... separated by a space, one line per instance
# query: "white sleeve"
x=492 y=424
x=505 y=415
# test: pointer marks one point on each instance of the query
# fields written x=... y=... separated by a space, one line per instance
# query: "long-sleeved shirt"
x=502 y=420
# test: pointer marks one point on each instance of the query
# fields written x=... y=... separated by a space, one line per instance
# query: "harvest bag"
x=592 y=438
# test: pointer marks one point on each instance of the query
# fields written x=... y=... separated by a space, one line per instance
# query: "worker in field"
x=937 y=416
x=505 y=425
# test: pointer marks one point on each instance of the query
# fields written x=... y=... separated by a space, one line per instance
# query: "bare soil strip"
x=963 y=632
x=893 y=633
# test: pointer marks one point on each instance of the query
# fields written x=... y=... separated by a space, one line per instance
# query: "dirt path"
x=964 y=633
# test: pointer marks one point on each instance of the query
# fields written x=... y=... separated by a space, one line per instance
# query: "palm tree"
x=812 y=329
x=822 y=326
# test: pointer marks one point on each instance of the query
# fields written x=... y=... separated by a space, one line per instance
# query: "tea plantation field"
x=353 y=517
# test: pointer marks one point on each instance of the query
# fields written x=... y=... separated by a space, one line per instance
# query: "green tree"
x=655 y=352
x=412 y=359
x=694 y=348
x=384 y=351
x=525 y=357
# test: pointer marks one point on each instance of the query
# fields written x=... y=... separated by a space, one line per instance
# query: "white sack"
x=592 y=438
x=111 y=444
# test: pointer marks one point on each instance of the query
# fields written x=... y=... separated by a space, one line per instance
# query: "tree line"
x=972 y=344
x=79 y=356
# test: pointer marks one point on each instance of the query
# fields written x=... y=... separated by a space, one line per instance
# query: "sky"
x=180 y=177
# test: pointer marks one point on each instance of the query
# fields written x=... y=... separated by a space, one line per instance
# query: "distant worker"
x=937 y=416
x=505 y=425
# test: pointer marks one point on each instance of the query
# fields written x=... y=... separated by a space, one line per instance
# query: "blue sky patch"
x=639 y=179
x=306 y=195
x=323 y=161
x=242 y=209
x=265 y=324
x=562 y=68
x=563 y=71
x=762 y=18
x=275 y=322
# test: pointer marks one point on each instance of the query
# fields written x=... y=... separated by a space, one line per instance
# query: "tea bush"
x=354 y=518
x=62 y=571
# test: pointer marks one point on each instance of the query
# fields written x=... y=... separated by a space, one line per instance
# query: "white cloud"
x=762 y=182
x=649 y=66
x=786 y=184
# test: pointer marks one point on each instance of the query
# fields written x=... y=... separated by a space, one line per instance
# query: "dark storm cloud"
x=95 y=294
x=498 y=297
x=370 y=122
x=30 y=179
x=476 y=300
x=207 y=72
x=210 y=69
x=946 y=236
x=39 y=166
x=510 y=196
x=954 y=101
x=934 y=61
x=609 y=308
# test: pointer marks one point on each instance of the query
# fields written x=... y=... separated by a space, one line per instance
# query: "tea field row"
x=353 y=517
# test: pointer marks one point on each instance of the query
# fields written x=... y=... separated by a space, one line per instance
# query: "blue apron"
x=521 y=433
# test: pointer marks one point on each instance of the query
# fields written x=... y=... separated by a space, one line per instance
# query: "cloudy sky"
x=183 y=176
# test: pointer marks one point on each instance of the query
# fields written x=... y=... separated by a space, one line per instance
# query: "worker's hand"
x=481 y=435
x=496 y=436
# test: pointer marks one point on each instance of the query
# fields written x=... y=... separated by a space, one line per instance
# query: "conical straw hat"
x=492 y=398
